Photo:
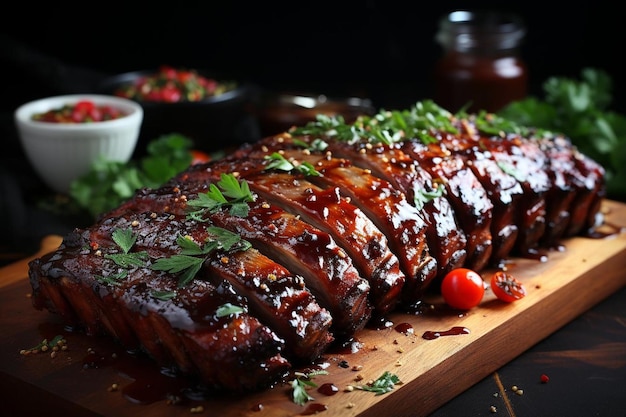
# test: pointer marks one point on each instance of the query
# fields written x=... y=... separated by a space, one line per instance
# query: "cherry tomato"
x=506 y=287
x=199 y=157
x=462 y=288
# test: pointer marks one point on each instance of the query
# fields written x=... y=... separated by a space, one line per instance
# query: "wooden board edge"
x=19 y=270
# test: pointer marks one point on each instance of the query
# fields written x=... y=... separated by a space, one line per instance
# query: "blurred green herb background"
x=580 y=109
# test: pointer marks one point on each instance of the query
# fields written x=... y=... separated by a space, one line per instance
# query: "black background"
x=381 y=49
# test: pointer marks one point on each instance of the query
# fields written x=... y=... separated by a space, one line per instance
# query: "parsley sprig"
x=125 y=240
x=420 y=121
x=228 y=192
x=316 y=145
x=279 y=162
x=228 y=309
x=422 y=196
x=188 y=262
x=384 y=384
x=109 y=183
x=301 y=383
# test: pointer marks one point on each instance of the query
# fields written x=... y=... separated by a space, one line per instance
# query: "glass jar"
x=481 y=67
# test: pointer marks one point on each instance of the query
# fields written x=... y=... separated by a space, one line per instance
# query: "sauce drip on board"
x=405 y=328
x=454 y=331
x=328 y=389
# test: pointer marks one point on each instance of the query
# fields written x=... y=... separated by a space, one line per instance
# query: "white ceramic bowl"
x=62 y=152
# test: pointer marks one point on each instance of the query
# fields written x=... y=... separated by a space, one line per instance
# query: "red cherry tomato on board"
x=506 y=287
x=462 y=288
x=199 y=157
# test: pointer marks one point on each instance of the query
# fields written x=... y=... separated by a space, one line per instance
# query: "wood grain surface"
x=80 y=381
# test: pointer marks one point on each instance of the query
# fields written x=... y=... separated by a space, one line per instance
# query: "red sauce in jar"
x=481 y=67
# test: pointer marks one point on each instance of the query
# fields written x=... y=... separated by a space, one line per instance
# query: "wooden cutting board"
x=80 y=381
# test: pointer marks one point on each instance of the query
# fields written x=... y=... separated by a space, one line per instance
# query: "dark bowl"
x=214 y=123
x=277 y=112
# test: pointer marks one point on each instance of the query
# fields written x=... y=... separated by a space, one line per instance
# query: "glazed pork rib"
x=331 y=212
x=402 y=223
x=303 y=249
x=259 y=261
x=466 y=194
x=88 y=289
x=446 y=240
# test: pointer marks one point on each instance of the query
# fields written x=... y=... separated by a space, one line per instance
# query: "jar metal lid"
x=463 y=29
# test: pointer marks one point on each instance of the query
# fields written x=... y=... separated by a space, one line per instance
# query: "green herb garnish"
x=420 y=121
x=279 y=162
x=509 y=169
x=228 y=309
x=125 y=239
x=187 y=262
x=110 y=183
x=301 y=383
x=188 y=265
x=422 y=196
x=330 y=126
x=112 y=279
x=163 y=295
x=384 y=384
x=316 y=145
x=229 y=192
